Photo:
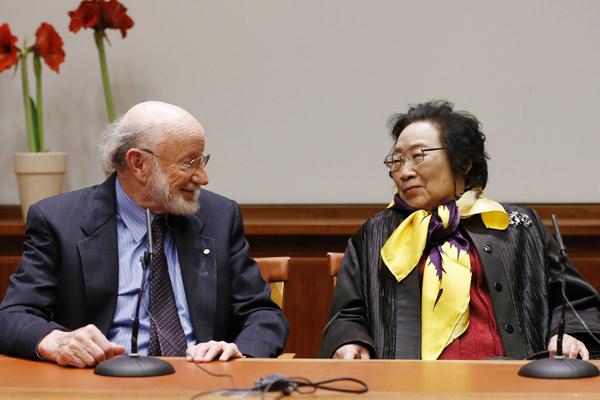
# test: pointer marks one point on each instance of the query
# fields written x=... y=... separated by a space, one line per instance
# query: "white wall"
x=295 y=95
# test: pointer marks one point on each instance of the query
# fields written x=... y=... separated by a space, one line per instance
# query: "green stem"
x=37 y=67
x=27 y=101
x=99 y=37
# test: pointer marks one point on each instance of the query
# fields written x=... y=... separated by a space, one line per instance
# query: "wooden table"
x=438 y=380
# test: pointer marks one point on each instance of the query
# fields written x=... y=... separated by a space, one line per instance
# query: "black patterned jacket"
x=371 y=308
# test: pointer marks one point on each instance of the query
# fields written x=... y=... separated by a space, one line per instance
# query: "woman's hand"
x=571 y=347
x=351 y=352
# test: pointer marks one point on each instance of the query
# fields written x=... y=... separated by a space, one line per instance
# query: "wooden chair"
x=275 y=271
x=8 y=266
x=334 y=260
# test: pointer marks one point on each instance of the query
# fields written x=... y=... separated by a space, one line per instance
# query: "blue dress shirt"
x=132 y=243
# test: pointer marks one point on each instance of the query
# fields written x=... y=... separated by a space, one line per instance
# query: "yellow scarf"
x=446 y=287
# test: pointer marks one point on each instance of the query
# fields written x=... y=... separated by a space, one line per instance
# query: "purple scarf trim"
x=437 y=235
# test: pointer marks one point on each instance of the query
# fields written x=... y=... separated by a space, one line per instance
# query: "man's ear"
x=138 y=165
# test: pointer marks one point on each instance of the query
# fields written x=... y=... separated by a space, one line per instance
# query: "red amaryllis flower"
x=100 y=15
x=88 y=15
x=115 y=16
x=8 y=50
x=49 y=46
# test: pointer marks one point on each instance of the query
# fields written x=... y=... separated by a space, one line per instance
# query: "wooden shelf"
x=578 y=220
x=573 y=220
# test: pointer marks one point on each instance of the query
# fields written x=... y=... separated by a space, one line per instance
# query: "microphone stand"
x=560 y=367
x=135 y=365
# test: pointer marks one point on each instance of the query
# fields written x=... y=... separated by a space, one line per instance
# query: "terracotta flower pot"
x=39 y=175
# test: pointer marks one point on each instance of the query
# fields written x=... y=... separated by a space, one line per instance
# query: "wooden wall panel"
x=307 y=232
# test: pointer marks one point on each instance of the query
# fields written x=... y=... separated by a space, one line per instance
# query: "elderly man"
x=73 y=297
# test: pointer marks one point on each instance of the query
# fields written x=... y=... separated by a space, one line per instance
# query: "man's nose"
x=200 y=176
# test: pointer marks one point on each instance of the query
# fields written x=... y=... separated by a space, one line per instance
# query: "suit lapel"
x=197 y=259
x=99 y=256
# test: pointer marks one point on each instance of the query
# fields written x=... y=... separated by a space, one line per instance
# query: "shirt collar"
x=132 y=215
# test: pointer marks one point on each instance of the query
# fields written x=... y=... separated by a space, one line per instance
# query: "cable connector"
x=273 y=383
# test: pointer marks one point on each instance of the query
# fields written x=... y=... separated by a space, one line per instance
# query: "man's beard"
x=158 y=189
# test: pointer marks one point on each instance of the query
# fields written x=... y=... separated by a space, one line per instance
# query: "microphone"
x=563 y=260
x=559 y=367
x=135 y=365
x=146 y=260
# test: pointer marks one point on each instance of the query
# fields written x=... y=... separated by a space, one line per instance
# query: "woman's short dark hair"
x=461 y=135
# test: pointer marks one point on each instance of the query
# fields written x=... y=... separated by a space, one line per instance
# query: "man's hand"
x=352 y=351
x=571 y=347
x=84 y=347
x=207 y=352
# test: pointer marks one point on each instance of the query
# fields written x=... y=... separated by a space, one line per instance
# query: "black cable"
x=286 y=389
x=546 y=353
x=280 y=383
x=538 y=355
x=563 y=260
x=321 y=385
x=217 y=375
x=302 y=382
x=587 y=329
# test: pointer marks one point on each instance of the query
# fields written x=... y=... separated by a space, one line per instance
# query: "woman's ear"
x=137 y=164
x=468 y=167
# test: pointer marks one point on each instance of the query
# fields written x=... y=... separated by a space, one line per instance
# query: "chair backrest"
x=334 y=260
x=275 y=271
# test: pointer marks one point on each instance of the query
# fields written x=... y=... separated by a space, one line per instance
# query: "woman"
x=445 y=273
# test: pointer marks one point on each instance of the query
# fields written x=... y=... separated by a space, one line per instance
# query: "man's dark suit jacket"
x=68 y=276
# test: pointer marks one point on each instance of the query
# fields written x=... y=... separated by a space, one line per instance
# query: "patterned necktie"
x=162 y=302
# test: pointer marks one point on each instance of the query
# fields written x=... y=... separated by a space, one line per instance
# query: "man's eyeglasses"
x=191 y=165
x=414 y=155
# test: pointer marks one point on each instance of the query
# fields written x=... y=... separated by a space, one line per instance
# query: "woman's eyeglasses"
x=414 y=155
